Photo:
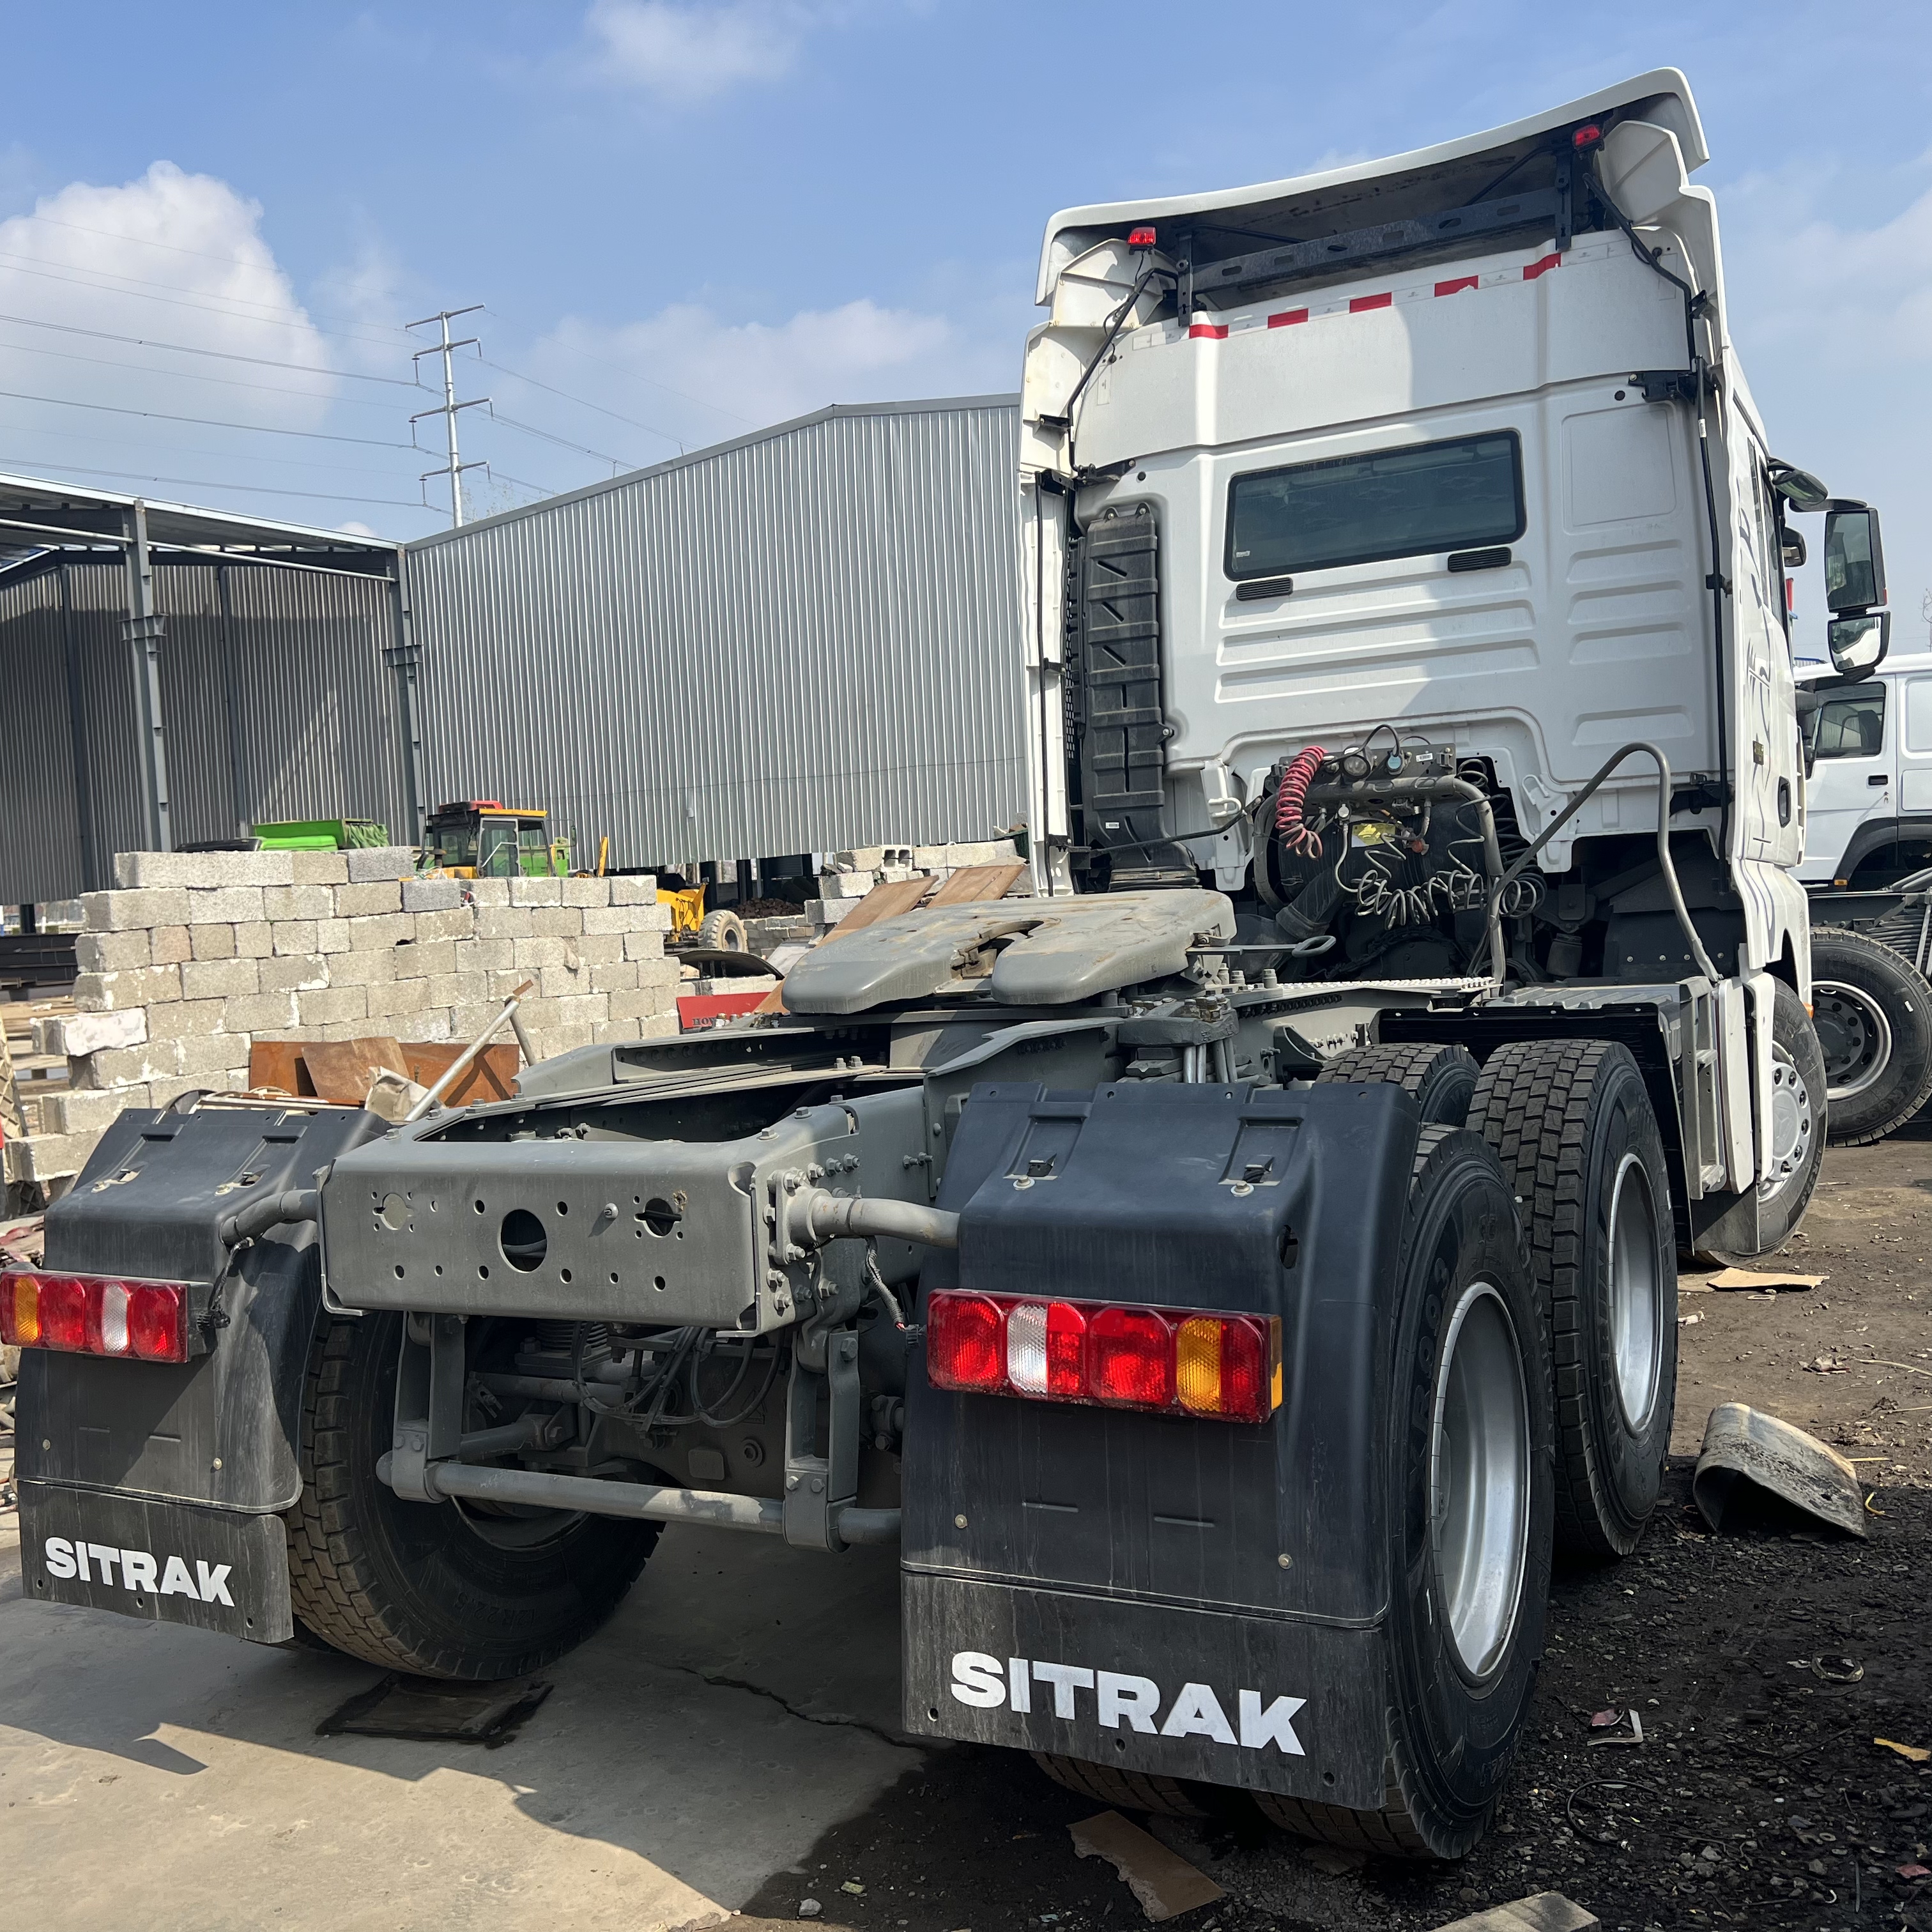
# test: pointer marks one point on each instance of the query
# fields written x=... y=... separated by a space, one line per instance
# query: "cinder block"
x=619 y=978
x=642 y=946
x=458 y=989
x=611 y=918
x=80 y=1034
x=431 y=1024
x=363 y=969
x=52 y=1156
x=848 y=885
x=861 y=859
x=309 y=902
x=220 y=979
x=139 y=986
x=331 y=935
x=381 y=861
x=614 y=1033
x=364 y=902
x=557 y=982
x=659 y=972
x=116 y=951
x=425 y=958
x=332 y=1003
x=320 y=869
x=225 y=905
x=126 y=1066
x=381 y=933
x=539 y=1015
x=526 y=955
x=203 y=870
x=665 y=1027
x=81 y=1113
x=163 y=1091
x=432 y=894
x=633 y=889
x=567 y=1039
x=494 y=893
x=457 y=925
x=211 y=942
x=653 y=919
x=586 y=891
x=468 y=1019
x=295 y=972
x=187 y=1019
x=398 y=999
x=255 y=941
x=478 y=955
x=502 y=921
x=564 y=921
x=536 y=892
x=171 y=944
x=645 y=1002
x=597 y=948
x=219 y=1057
x=127 y=911
x=261 y=1012
x=292 y=938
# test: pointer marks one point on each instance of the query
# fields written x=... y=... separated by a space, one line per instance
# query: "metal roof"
x=40 y=517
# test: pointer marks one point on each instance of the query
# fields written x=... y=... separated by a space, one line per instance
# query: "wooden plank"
x=884 y=901
x=973 y=883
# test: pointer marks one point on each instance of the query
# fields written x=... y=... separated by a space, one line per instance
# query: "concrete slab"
x=741 y=1701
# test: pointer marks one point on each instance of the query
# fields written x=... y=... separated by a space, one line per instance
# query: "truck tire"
x=724 y=931
x=1442 y=1079
x=1125 y=1790
x=1570 y=1121
x=1872 y=1014
x=1468 y=1559
x=428 y=1587
x=1798 y=1122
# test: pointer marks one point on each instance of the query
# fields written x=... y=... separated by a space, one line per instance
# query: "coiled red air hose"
x=1294 y=832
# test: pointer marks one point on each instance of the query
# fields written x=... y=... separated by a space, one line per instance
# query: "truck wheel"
x=1873 y=1013
x=1125 y=1790
x=1571 y=1122
x=1442 y=1079
x=1468 y=1433
x=1798 y=1111
x=724 y=931
x=431 y=1587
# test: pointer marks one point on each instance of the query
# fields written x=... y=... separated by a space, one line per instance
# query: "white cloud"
x=170 y=258
x=703 y=380
x=687 y=53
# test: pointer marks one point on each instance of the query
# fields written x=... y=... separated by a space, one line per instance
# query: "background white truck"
x=1225 y=1274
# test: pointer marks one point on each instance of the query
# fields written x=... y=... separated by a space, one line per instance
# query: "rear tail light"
x=96 y=1315
x=1171 y=1361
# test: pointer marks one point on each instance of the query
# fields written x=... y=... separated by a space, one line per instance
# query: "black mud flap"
x=1262 y=1703
x=168 y=1562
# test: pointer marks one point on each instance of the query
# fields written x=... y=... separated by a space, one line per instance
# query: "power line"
x=189 y=449
x=604 y=362
x=259 y=489
x=202 y=422
x=564 y=443
x=222 y=355
x=583 y=402
x=195 y=376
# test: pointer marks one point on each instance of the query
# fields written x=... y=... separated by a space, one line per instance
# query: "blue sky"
x=687 y=220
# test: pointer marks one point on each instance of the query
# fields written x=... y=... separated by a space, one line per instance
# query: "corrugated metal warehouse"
x=277 y=688
x=802 y=641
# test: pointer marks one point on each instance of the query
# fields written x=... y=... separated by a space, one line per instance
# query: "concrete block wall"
x=194 y=956
x=847 y=876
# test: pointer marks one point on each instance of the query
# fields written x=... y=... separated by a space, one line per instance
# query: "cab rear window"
x=1411 y=502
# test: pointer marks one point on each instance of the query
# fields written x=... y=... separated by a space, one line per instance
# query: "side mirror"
x=1854 y=558
x=1858 y=644
x=1795 y=552
x=1798 y=488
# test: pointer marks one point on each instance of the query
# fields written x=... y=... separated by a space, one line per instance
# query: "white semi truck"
x=1224 y=1274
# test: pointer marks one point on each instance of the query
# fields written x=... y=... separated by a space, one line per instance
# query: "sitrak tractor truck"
x=1226 y=1274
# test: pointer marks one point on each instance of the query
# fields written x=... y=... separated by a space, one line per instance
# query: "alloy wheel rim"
x=1855 y=1035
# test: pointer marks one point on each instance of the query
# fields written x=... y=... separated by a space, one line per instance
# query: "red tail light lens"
x=1132 y=1359
x=966 y=1342
x=1140 y=238
x=96 y=1315
x=1172 y=1361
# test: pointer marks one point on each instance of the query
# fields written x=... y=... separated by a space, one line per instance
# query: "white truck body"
x=1869 y=796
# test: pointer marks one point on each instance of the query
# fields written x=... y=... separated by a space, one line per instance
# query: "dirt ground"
x=1758 y=1799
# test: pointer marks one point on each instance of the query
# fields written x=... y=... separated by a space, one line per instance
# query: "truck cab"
x=484 y=839
x=1868 y=796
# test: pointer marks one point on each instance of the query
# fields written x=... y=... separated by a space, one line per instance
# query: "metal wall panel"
x=286 y=709
x=806 y=640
